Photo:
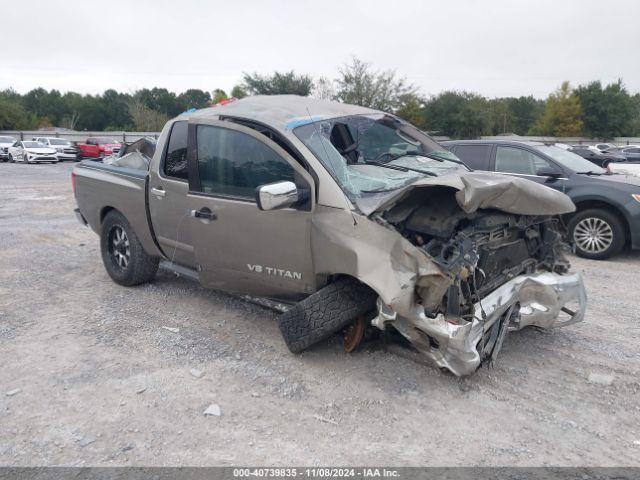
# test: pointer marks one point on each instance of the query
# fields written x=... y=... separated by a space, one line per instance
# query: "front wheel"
x=325 y=312
x=124 y=258
x=597 y=234
x=11 y=160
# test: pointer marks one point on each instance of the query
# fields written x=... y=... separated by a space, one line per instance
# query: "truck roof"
x=283 y=112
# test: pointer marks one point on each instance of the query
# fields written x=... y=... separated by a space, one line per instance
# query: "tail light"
x=73 y=182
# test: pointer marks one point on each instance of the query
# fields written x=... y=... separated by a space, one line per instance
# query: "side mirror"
x=549 y=172
x=273 y=196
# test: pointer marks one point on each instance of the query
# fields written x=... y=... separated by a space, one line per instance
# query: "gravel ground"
x=101 y=382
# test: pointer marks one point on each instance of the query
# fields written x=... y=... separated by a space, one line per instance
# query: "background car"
x=32 y=152
x=603 y=147
x=99 y=147
x=65 y=149
x=5 y=143
x=602 y=159
x=630 y=152
x=607 y=216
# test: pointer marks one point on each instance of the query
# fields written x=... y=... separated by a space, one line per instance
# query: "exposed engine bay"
x=480 y=252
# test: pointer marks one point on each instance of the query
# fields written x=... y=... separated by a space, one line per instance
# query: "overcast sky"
x=494 y=47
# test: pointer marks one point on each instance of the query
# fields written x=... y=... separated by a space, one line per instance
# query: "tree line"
x=591 y=110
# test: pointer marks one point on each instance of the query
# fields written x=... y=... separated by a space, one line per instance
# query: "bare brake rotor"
x=354 y=334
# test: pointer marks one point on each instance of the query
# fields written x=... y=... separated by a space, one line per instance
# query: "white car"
x=65 y=148
x=603 y=147
x=5 y=143
x=32 y=152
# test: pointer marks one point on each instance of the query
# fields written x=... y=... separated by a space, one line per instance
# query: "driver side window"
x=233 y=163
x=519 y=161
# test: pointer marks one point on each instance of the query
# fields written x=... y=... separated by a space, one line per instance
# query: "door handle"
x=158 y=191
x=204 y=214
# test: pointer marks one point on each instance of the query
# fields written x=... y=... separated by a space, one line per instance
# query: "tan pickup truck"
x=351 y=216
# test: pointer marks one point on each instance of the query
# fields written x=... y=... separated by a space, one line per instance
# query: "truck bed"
x=101 y=188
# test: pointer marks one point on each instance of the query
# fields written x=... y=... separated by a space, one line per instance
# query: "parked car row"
x=42 y=149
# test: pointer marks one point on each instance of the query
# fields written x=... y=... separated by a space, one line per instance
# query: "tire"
x=597 y=233
x=11 y=160
x=325 y=312
x=124 y=258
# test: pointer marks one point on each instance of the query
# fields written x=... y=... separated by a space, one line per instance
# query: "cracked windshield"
x=369 y=154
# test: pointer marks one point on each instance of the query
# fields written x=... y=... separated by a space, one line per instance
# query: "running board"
x=180 y=270
x=191 y=274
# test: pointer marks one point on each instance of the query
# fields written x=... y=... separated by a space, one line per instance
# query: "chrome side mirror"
x=273 y=196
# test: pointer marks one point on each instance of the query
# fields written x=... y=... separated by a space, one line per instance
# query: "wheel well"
x=588 y=204
x=103 y=213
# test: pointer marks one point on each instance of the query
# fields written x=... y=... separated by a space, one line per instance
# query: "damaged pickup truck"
x=351 y=216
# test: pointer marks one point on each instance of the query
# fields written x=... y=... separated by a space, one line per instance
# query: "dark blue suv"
x=608 y=205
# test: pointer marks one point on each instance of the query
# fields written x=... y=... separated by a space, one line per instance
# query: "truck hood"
x=481 y=190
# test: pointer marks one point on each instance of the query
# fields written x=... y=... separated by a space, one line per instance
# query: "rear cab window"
x=174 y=164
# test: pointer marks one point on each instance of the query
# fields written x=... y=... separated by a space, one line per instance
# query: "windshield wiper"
x=400 y=168
x=432 y=156
x=590 y=172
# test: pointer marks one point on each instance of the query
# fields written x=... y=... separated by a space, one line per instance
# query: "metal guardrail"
x=128 y=137
x=567 y=140
x=124 y=137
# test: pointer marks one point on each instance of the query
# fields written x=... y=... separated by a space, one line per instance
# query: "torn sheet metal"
x=482 y=190
x=135 y=160
x=457 y=344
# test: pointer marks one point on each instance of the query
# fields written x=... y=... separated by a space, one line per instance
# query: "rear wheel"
x=325 y=312
x=124 y=258
x=597 y=233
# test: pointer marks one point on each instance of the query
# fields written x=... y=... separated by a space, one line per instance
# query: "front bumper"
x=461 y=345
x=42 y=158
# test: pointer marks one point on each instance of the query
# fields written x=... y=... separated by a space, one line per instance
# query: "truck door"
x=512 y=160
x=238 y=247
x=168 y=204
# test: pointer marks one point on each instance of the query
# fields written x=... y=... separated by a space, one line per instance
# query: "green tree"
x=160 y=100
x=606 y=112
x=634 y=126
x=194 y=98
x=144 y=118
x=116 y=108
x=238 y=92
x=218 y=96
x=562 y=115
x=13 y=116
x=411 y=108
x=358 y=84
x=457 y=114
x=277 y=84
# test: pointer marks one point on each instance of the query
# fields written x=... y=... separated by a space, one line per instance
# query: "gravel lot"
x=101 y=382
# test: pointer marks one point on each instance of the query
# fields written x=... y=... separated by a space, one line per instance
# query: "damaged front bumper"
x=460 y=345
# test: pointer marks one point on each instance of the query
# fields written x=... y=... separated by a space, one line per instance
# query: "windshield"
x=570 y=160
x=345 y=145
x=7 y=140
x=33 y=145
x=59 y=141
